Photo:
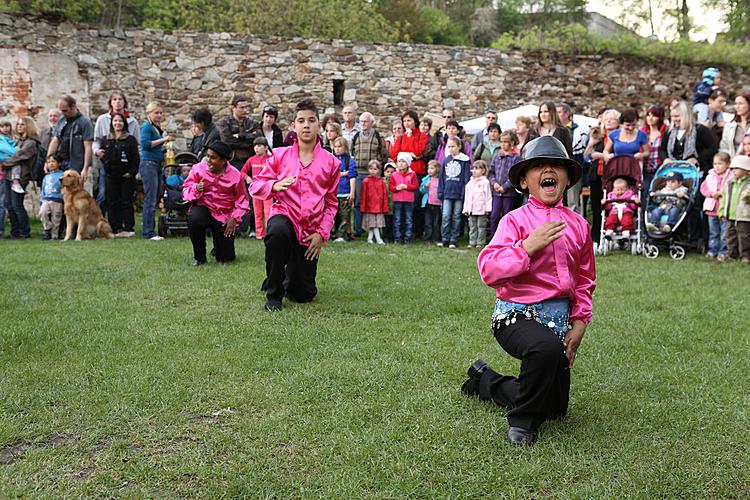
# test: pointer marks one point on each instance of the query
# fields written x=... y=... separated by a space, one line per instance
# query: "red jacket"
x=412 y=184
x=374 y=196
x=416 y=143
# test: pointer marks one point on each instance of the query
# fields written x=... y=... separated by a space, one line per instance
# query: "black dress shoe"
x=273 y=305
x=475 y=372
x=197 y=262
x=519 y=436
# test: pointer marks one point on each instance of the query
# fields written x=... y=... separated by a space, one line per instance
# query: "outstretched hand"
x=543 y=236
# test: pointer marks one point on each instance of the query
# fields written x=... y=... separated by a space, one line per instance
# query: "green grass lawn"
x=127 y=372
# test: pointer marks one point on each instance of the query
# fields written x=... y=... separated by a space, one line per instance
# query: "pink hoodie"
x=565 y=268
x=714 y=183
x=477 y=196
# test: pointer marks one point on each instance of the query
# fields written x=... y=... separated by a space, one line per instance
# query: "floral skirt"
x=372 y=221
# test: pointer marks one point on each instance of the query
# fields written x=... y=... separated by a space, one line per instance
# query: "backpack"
x=37 y=166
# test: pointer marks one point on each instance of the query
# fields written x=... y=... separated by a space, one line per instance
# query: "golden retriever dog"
x=81 y=210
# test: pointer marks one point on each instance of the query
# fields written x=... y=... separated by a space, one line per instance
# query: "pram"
x=174 y=217
x=676 y=239
x=628 y=168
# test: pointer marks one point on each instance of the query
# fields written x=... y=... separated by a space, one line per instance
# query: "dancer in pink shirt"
x=303 y=181
x=541 y=264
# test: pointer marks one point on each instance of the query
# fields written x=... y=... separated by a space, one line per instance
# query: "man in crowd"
x=579 y=137
x=53 y=116
x=238 y=130
x=349 y=128
x=73 y=138
x=490 y=117
x=366 y=145
x=204 y=126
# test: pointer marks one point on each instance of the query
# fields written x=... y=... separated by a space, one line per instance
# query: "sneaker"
x=452 y=245
x=651 y=227
x=666 y=228
x=381 y=242
x=724 y=258
x=273 y=305
x=156 y=238
x=626 y=234
x=129 y=234
x=469 y=246
x=16 y=188
x=440 y=244
x=121 y=234
x=370 y=241
x=339 y=240
x=745 y=260
x=608 y=233
x=710 y=255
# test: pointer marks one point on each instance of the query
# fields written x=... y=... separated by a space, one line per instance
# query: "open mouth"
x=548 y=184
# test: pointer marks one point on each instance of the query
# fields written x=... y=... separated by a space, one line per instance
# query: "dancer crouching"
x=541 y=264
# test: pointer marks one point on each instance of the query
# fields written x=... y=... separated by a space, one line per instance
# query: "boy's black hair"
x=58 y=157
x=260 y=141
x=306 y=105
x=202 y=115
x=494 y=126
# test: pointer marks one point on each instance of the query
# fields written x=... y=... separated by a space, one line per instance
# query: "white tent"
x=507 y=119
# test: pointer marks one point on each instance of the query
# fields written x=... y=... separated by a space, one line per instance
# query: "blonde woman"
x=20 y=164
x=152 y=158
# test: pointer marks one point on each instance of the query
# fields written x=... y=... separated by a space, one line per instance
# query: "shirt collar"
x=536 y=203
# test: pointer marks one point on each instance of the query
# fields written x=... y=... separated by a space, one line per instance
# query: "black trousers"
x=595 y=198
x=542 y=388
x=199 y=219
x=288 y=272
x=118 y=193
x=432 y=219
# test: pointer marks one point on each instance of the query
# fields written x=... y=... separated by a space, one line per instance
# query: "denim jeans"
x=151 y=176
x=452 y=220
x=672 y=215
x=357 y=213
x=19 y=219
x=2 y=208
x=717 y=236
x=101 y=199
x=403 y=211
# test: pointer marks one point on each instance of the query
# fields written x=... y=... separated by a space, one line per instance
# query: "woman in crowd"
x=220 y=201
x=397 y=130
x=152 y=158
x=26 y=147
x=271 y=131
x=610 y=121
x=524 y=131
x=654 y=128
x=627 y=140
x=120 y=161
x=550 y=124
x=414 y=142
x=332 y=132
x=734 y=131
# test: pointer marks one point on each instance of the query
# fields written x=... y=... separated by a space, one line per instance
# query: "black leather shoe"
x=475 y=372
x=519 y=436
x=273 y=305
x=197 y=262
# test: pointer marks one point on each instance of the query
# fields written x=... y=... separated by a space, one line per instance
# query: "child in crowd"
x=7 y=150
x=478 y=204
x=403 y=184
x=431 y=203
x=347 y=184
x=388 y=170
x=735 y=210
x=620 y=205
x=252 y=167
x=51 y=197
x=373 y=203
x=709 y=82
x=176 y=180
x=454 y=174
x=671 y=198
x=744 y=148
x=541 y=264
x=503 y=195
x=712 y=188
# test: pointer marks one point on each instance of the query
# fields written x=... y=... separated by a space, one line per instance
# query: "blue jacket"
x=454 y=174
x=51 y=189
x=351 y=173
x=149 y=133
x=424 y=188
x=7 y=147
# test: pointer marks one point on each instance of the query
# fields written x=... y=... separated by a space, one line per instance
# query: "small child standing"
x=735 y=210
x=52 y=198
x=712 y=188
x=347 y=184
x=403 y=184
x=454 y=174
x=671 y=198
x=252 y=167
x=431 y=203
x=541 y=264
x=620 y=205
x=388 y=170
x=478 y=204
x=503 y=195
x=373 y=202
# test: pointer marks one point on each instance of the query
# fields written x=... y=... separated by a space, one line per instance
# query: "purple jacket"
x=499 y=169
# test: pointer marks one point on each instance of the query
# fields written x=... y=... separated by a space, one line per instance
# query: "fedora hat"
x=545 y=149
x=221 y=149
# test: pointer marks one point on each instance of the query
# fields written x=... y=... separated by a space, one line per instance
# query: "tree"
x=738 y=18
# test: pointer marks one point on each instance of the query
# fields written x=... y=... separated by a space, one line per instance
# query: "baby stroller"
x=174 y=217
x=675 y=240
x=628 y=168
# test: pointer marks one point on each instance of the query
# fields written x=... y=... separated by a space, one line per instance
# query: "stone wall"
x=185 y=70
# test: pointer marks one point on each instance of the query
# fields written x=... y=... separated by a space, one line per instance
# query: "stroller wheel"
x=677 y=252
x=634 y=250
x=650 y=250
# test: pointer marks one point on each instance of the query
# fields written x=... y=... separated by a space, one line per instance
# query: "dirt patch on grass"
x=11 y=453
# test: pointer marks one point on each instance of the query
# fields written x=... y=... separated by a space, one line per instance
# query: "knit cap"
x=407 y=157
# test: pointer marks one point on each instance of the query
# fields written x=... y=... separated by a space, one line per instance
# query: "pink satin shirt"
x=565 y=268
x=310 y=203
x=224 y=195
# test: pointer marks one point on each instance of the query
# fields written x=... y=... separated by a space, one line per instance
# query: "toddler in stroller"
x=621 y=213
x=671 y=199
x=620 y=206
x=174 y=214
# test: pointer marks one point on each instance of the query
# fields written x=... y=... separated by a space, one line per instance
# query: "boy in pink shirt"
x=541 y=264
x=303 y=180
x=252 y=167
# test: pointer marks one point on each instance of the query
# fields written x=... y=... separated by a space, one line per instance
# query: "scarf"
x=688 y=148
